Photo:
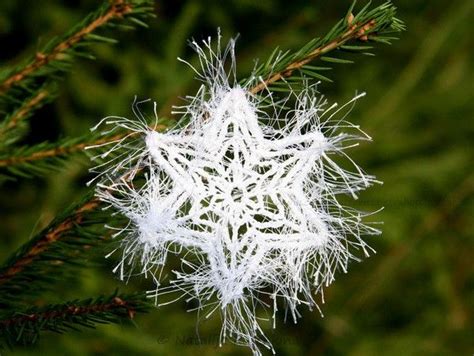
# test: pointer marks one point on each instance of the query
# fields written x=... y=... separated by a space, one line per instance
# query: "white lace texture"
x=245 y=194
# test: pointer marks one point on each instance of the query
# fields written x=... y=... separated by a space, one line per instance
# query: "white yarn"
x=246 y=198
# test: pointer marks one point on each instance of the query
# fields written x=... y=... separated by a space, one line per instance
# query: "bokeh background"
x=414 y=297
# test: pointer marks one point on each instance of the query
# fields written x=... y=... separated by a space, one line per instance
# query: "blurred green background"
x=414 y=297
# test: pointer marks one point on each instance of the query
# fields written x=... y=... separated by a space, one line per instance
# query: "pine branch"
x=356 y=31
x=47 y=256
x=367 y=25
x=41 y=244
x=29 y=161
x=26 y=88
x=14 y=124
x=364 y=24
x=57 y=54
x=41 y=158
x=25 y=327
x=52 y=253
x=24 y=110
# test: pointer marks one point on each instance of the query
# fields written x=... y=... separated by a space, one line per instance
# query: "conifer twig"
x=117 y=9
x=52 y=235
x=355 y=31
x=24 y=327
x=24 y=110
x=62 y=313
x=54 y=152
x=62 y=150
x=352 y=29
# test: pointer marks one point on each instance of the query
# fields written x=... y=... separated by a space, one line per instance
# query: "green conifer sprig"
x=14 y=125
x=39 y=159
x=24 y=327
x=367 y=26
x=30 y=85
x=376 y=25
x=66 y=242
x=58 y=54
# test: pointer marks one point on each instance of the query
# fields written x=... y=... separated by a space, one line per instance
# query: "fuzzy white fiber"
x=245 y=194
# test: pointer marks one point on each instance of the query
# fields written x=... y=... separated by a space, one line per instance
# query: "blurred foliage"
x=415 y=296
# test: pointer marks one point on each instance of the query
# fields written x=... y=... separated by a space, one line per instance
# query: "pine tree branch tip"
x=117 y=9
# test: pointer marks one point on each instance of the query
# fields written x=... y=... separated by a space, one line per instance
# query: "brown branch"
x=53 y=235
x=356 y=31
x=117 y=9
x=54 y=152
x=24 y=110
x=62 y=151
x=71 y=310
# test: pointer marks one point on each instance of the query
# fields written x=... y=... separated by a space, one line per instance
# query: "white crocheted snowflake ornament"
x=245 y=194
